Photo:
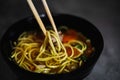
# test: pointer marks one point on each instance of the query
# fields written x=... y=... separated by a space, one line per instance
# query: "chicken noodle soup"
x=51 y=54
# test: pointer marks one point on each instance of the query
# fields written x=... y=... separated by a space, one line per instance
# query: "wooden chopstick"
x=37 y=16
x=50 y=16
x=39 y=19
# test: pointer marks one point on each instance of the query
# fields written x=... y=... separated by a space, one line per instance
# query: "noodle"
x=46 y=56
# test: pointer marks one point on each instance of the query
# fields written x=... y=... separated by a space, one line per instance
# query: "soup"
x=52 y=54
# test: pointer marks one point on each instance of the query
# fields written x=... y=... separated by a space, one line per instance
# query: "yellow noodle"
x=51 y=55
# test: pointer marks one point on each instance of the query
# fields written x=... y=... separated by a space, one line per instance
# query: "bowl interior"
x=28 y=24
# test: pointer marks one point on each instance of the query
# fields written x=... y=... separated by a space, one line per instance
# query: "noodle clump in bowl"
x=49 y=54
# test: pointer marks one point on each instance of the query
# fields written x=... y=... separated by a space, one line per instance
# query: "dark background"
x=104 y=14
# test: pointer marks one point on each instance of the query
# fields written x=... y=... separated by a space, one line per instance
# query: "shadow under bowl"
x=28 y=24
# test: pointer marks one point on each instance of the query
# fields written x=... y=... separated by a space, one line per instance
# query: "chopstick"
x=50 y=16
x=31 y=5
x=41 y=25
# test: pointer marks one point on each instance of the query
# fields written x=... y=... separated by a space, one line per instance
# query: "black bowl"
x=27 y=24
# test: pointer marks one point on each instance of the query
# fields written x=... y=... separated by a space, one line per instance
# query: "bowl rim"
x=31 y=17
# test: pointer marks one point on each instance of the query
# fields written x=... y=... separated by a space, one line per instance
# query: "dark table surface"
x=104 y=14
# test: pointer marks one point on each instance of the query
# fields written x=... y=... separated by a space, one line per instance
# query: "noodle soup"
x=52 y=54
x=90 y=36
